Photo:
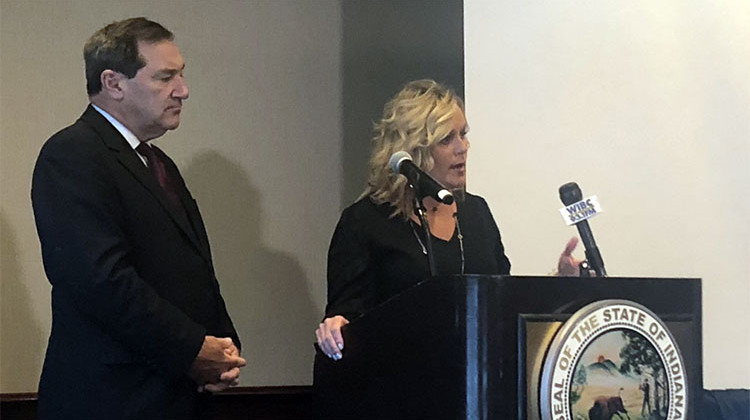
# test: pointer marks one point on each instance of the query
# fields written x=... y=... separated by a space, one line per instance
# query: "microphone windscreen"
x=395 y=161
x=570 y=193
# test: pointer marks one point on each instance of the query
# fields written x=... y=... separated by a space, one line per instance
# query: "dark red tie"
x=160 y=173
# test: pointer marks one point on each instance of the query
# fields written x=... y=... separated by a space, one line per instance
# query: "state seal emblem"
x=613 y=359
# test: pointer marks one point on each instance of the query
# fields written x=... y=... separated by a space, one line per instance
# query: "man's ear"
x=112 y=84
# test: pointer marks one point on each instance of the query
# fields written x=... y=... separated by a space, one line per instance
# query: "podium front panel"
x=471 y=346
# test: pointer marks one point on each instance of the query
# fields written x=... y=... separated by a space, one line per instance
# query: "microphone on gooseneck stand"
x=577 y=211
x=423 y=184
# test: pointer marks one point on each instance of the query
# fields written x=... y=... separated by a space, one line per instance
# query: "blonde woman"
x=378 y=248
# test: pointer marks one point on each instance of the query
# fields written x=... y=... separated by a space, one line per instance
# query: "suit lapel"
x=188 y=203
x=130 y=160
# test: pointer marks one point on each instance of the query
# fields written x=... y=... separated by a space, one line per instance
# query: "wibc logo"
x=613 y=357
x=582 y=210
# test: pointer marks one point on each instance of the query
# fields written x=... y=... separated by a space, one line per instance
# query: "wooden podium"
x=468 y=347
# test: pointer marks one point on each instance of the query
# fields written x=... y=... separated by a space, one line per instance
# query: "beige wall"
x=259 y=146
x=645 y=104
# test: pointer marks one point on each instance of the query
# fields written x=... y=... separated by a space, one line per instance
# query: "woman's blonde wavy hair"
x=419 y=116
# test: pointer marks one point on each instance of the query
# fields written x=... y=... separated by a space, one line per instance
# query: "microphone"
x=578 y=211
x=420 y=181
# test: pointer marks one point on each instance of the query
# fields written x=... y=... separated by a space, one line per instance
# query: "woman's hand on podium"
x=329 y=336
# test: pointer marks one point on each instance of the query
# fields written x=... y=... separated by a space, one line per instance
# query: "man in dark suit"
x=139 y=326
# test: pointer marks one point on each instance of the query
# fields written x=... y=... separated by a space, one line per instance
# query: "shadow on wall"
x=265 y=290
x=21 y=339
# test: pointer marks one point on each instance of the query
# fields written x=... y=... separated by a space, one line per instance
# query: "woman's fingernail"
x=340 y=346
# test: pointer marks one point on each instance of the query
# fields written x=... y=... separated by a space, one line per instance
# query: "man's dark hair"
x=115 y=47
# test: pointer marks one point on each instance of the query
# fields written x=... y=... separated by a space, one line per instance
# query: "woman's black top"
x=373 y=256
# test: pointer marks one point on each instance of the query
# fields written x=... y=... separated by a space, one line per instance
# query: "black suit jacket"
x=133 y=286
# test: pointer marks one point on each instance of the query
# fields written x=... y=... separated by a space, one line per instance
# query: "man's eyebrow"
x=170 y=71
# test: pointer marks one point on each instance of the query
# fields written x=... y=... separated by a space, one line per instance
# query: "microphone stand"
x=422 y=213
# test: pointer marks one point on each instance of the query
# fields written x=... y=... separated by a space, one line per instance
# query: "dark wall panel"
x=387 y=43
